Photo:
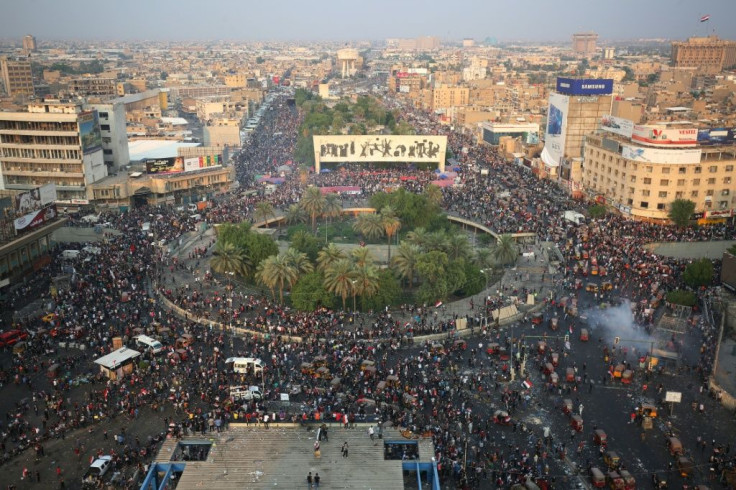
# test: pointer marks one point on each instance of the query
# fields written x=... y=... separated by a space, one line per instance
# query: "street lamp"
x=353 y=282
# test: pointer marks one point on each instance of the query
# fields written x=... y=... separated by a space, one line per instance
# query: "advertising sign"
x=554 y=144
x=617 y=125
x=662 y=136
x=673 y=396
x=89 y=131
x=723 y=213
x=584 y=86
x=657 y=155
x=198 y=163
x=717 y=136
x=35 y=199
x=35 y=219
x=169 y=165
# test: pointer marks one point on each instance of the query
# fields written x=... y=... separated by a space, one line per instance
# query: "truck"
x=244 y=393
x=574 y=217
x=96 y=471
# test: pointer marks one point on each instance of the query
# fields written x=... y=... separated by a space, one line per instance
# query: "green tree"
x=405 y=261
x=306 y=243
x=313 y=202
x=699 y=273
x=328 y=256
x=369 y=225
x=309 y=293
x=365 y=283
x=475 y=280
x=505 y=251
x=362 y=256
x=680 y=212
x=732 y=249
x=263 y=211
x=295 y=214
x=681 y=297
x=258 y=247
x=391 y=225
x=298 y=260
x=403 y=127
x=484 y=258
x=432 y=268
x=339 y=278
x=597 y=211
x=419 y=237
x=434 y=194
x=389 y=292
x=458 y=247
x=259 y=60
x=277 y=273
x=228 y=259
x=333 y=206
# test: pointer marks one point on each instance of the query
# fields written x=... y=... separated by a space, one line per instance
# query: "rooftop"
x=143 y=149
x=117 y=358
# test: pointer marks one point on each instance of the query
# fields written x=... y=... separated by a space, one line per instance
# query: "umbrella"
x=325 y=171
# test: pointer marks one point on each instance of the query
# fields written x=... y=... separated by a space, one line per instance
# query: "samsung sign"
x=584 y=86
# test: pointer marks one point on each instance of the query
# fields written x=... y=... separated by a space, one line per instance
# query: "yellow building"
x=709 y=54
x=642 y=181
x=16 y=76
x=446 y=97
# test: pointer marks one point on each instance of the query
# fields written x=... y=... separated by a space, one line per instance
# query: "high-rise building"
x=29 y=44
x=56 y=143
x=584 y=43
x=16 y=76
x=113 y=132
x=95 y=86
x=710 y=55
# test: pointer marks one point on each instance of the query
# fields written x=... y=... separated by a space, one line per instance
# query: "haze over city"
x=533 y=20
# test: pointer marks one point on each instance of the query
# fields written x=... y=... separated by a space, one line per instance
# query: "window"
x=694 y=194
x=711 y=181
x=729 y=168
x=649 y=169
x=105 y=127
x=107 y=140
x=633 y=178
x=103 y=115
x=644 y=204
x=645 y=192
x=698 y=170
x=723 y=204
x=647 y=180
x=661 y=206
x=662 y=193
x=679 y=195
x=680 y=182
x=664 y=182
x=630 y=202
x=713 y=169
x=725 y=192
x=666 y=170
x=696 y=181
x=682 y=170
x=726 y=180
x=709 y=192
x=107 y=152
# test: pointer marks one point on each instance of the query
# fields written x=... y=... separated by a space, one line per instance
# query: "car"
x=12 y=337
x=96 y=471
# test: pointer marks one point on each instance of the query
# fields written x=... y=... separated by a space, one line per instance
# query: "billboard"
x=658 y=155
x=554 y=143
x=198 y=163
x=382 y=148
x=35 y=199
x=584 y=86
x=89 y=131
x=717 y=136
x=617 y=125
x=36 y=218
x=662 y=136
x=169 y=165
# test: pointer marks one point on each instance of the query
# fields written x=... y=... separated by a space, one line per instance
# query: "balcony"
x=45 y=174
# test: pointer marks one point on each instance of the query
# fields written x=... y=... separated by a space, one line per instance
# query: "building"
x=29 y=44
x=16 y=76
x=641 y=176
x=575 y=110
x=468 y=42
x=584 y=43
x=427 y=43
x=493 y=132
x=347 y=59
x=56 y=143
x=221 y=132
x=113 y=129
x=94 y=86
x=118 y=363
x=710 y=55
x=26 y=253
x=609 y=53
x=444 y=97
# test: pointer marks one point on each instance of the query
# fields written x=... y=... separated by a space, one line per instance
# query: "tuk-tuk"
x=570 y=375
x=629 y=480
x=335 y=381
x=53 y=371
x=615 y=482
x=307 y=368
x=323 y=373
x=684 y=466
x=578 y=284
x=393 y=380
x=492 y=348
x=19 y=348
x=675 y=446
x=554 y=357
x=320 y=361
x=554 y=323
x=591 y=287
x=648 y=410
x=381 y=386
x=627 y=376
x=606 y=286
x=567 y=406
x=576 y=422
x=597 y=478
x=594 y=270
x=541 y=346
x=437 y=349
x=460 y=344
x=618 y=371
x=537 y=319
x=600 y=438
x=612 y=459
x=554 y=378
x=584 y=335
x=367 y=364
x=548 y=368
x=183 y=354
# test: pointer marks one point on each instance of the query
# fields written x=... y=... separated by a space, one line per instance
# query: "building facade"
x=94 y=86
x=113 y=130
x=29 y=44
x=710 y=55
x=52 y=143
x=584 y=43
x=642 y=181
x=16 y=76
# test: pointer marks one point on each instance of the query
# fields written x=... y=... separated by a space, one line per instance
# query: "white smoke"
x=617 y=321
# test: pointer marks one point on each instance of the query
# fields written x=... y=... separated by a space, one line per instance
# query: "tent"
x=284 y=168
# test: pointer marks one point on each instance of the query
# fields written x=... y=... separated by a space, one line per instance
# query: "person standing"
x=371 y=432
x=309 y=480
x=316 y=480
x=345 y=450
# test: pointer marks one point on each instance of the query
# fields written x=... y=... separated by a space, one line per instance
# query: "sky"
x=352 y=20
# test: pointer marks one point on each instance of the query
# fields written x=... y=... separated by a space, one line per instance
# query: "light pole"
x=353 y=282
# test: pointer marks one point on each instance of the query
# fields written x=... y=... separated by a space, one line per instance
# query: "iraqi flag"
x=438 y=304
x=527 y=384
x=705 y=18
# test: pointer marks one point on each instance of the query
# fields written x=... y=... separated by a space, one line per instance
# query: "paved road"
x=692 y=250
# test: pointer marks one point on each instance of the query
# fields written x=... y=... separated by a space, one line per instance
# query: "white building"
x=114 y=134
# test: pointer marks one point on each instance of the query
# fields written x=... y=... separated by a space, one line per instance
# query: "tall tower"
x=29 y=44
x=584 y=43
x=16 y=76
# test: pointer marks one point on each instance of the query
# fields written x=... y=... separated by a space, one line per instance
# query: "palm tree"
x=228 y=259
x=505 y=251
x=369 y=225
x=484 y=258
x=419 y=237
x=298 y=260
x=277 y=273
x=333 y=205
x=434 y=194
x=296 y=214
x=391 y=225
x=339 y=279
x=313 y=203
x=436 y=241
x=405 y=261
x=264 y=275
x=366 y=283
x=328 y=256
x=263 y=211
x=362 y=256
x=458 y=247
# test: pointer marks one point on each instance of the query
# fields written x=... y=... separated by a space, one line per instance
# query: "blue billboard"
x=584 y=86
x=717 y=136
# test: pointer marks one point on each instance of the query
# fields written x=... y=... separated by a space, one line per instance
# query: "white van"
x=148 y=343
x=245 y=393
x=246 y=364
x=70 y=254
